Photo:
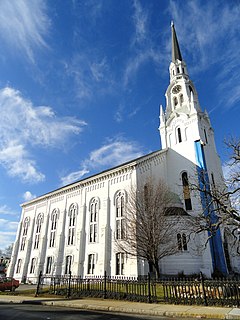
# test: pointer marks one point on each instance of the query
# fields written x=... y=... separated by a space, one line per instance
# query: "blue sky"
x=81 y=83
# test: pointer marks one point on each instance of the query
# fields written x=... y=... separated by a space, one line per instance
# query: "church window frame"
x=205 y=135
x=68 y=264
x=39 y=224
x=26 y=224
x=53 y=230
x=49 y=264
x=91 y=263
x=186 y=191
x=72 y=216
x=182 y=242
x=33 y=265
x=120 y=203
x=120 y=263
x=94 y=207
x=19 y=266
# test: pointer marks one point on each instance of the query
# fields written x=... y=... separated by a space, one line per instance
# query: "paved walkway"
x=131 y=307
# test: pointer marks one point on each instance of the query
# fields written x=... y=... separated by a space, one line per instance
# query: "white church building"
x=76 y=227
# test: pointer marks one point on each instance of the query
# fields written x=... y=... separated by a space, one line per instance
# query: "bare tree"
x=151 y=223
x=221 y=202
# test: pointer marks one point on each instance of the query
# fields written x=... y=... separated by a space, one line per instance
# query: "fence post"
x=105 y=284
x=203 y=288
x=38 y=284
x=69 y=284
x=149 y=287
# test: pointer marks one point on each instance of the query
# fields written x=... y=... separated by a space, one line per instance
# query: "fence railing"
x=199 y=291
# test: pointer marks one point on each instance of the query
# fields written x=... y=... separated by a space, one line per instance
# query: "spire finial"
x=176 y=53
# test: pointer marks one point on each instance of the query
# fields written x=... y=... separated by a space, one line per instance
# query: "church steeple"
x=176 y=53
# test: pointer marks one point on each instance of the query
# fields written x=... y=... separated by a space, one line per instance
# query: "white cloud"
x=24 y=24
x=22 y=125
x=27 y=196
x=113 y=153
x=5 y=210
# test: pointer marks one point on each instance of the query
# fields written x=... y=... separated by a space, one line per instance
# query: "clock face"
x=176 y=89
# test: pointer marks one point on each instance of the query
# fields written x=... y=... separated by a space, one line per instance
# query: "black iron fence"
x=199 y=291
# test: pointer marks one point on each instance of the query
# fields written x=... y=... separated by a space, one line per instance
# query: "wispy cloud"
x=22 y=125
x=90 y=74
x=111 y=154
x=143 y=48
x=24 y=25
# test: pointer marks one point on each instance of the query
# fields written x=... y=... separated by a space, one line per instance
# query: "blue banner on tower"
x=218 y=257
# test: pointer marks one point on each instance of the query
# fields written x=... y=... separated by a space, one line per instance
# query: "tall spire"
x=176 y=53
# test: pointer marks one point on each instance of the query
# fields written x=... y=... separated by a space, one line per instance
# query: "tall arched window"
x=186 y=191
x=93 y=224
x=68 y=264
x=175 y=101
x=53 y=230
x=33 y=265
x=72 y=224
x=181 y=98
x=25 y=231
x=182 y=241
x=38 y=230
x=120 y=221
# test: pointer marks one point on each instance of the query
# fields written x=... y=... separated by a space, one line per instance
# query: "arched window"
x=33 y=265
x=186 y=191
x=120 y=221
x=91 y=263
x=119 y=263
x=68 y=264
x=53 y=229
x=205 y=134
x=72 y=223
x=39 y=223
x=25 y=231
x=19 y=265
x=49 y=265
x=93 y=223
x=179 y=135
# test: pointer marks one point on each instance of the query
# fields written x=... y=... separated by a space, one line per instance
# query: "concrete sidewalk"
x=130 y=307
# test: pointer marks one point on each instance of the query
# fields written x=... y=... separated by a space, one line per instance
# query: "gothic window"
x=68 y=264
x=186 y=191
x=19 y=265
x=178 y=70
x=179 y=135
x=33 y=265
x=53 y=229
x=72 y=224
x=120 y=221
x=91 y=263
x=93 y=225
x=38 y=230
x=182 y=242
x=191 y=89
x=24 y=234
x=119 y=263
x=173 y=72
x=213 y=180
x=49 y=265
x=183 y=70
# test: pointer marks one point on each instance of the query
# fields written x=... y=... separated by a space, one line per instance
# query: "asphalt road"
x=32 y=312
